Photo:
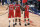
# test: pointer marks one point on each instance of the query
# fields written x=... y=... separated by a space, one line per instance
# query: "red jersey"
x=24 y=1
x=17 y=11
x=11 y=11
x=27 y=9
x=26 y=12
x=17 y=6
x=11 y=8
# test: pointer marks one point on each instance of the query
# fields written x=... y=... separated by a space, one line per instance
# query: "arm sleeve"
x=22 y=8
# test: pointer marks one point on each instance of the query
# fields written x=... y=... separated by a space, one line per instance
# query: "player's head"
x=16 y=2
x=11 y=3
x=25 y=3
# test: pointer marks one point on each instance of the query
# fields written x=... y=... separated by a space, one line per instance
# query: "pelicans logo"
x=17 y=7
x=11 y=7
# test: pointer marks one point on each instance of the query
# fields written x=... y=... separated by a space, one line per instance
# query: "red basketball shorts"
x=11 y=14
x=26 y=15
x=17 y=14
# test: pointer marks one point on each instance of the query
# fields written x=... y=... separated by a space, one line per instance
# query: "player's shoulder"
x=9 y=4
x=18 y=4
x=27 y=5
x=15 y=4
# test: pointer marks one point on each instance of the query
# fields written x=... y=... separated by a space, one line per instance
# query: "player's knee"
x=19 y=19
x=24 y=19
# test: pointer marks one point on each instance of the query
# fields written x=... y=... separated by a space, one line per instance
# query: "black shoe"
x=28 y=23
x=25 y=24
x=15 y=23
x=9 y=26
x=20 y=24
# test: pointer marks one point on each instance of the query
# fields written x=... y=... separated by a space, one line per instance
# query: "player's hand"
x=32 y=12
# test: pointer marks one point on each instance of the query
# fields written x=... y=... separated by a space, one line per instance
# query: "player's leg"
x=16 y=21
x=28 y=21
x=9 y=22
x=19 y=21
x=21 y=12
x=19 y=15
x=9 y=16
x=28 y=18
x=25 y=19
x=13 y=23
x=15 y=18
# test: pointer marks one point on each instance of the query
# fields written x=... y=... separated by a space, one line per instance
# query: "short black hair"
x=26 y=3
x=16 y=2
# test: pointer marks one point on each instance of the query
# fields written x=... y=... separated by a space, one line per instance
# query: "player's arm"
x=14 y=7
x=30 y=9
x=22 y=8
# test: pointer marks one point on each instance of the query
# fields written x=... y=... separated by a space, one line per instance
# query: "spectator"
x=8 y=2
x=0 y=1
x=39 y=4
x=12 y=1
x=21 y=2
x=3 y=2
x=30 y=1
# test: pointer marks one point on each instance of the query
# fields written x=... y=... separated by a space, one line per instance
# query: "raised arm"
x=31 y=9
x=22 y=8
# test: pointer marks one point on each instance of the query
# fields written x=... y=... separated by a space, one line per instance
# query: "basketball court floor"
x=4 y=21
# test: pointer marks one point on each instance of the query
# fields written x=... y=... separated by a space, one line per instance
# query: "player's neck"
x=17 y=4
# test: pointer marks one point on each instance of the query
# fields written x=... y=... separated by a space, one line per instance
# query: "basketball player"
x=17 y=13
x=26 y=13
x=11 y=13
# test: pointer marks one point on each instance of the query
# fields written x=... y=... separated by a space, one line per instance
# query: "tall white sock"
x=13 y=20
x=9 y=20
